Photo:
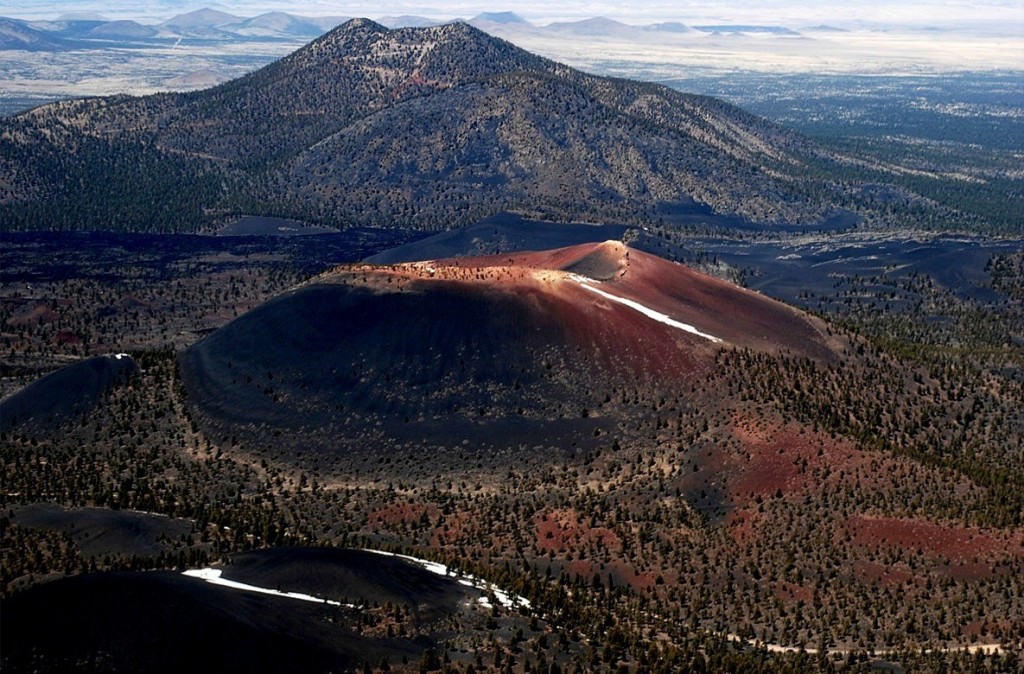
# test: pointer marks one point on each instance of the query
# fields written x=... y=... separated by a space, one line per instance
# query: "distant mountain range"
x=16 y=34
x=205 y=24
x=210 y=24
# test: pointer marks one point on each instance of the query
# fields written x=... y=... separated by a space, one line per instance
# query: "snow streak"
x=213 y=576
x=646 y=311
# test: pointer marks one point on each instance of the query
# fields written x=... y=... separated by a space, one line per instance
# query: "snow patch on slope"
x=587 y=283
x=509 y=601
x=213 y=576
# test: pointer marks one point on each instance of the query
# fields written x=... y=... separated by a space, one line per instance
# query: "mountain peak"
x=199 y=18
x=670 y=27
x=598 y=26
x=602 y=310
x=454 y=29
x=352 y=36
x=500 y=17
x=362 y=27
x=360 y=24
x=444 y=54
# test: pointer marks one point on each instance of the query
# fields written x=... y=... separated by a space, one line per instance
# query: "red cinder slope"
x=714 y=308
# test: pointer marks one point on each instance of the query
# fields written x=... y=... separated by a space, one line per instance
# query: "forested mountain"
x=417 y=127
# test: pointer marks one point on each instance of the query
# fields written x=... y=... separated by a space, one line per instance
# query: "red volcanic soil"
x=878 y=573
x=953 y=543
x=622 y=339
x=563 y=533
x=792 y=592
x=620 y=573
x=772 y=455
x=561 y=530
x=782 y=460
x=743 y=523
x=396 y=513
x=65 y=337
x=736 y=315
x=564 y=281
x=33 y=313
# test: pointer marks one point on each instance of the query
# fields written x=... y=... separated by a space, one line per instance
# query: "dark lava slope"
x=167 y=622
x=342 y=364
x=70 y=391
x=500 y=233
x=102 y=531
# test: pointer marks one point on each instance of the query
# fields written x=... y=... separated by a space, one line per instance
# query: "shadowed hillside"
x=70 y=391
x=501 y=233
x=167 y=622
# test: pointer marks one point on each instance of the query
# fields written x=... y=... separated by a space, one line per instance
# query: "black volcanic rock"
x=102 y=531
x=500 y=233
x=340 y=368
x=166 y=622
x=65 y=393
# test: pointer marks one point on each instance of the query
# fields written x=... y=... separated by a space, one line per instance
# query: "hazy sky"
x=970 y=14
